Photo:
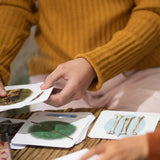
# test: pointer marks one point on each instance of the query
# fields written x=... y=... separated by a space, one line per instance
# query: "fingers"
x=67 y=94
x=96 y=150
x=52 y=78
x=107 y=156
x=2 y=89
x=77 y=76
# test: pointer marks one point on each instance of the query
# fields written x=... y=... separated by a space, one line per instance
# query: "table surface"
x=47 y=153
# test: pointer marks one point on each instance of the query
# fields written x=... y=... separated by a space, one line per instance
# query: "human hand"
x=2 y=89
x=132 y=148
x=77 y=73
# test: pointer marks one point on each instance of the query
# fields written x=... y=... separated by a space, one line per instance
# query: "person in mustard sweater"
x=89 y=44
x=85 y=43
x=131 y=148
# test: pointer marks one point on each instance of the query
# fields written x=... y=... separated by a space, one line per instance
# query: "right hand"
x=130 y=148
x=3 y=92
x=78 y=75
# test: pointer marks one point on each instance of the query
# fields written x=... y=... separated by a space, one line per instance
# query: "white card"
x=66 y=123
x=119 y=124
x=14 y=146
x=42 y=97
x=85 y=130
x=29 y=94
x=77 y=155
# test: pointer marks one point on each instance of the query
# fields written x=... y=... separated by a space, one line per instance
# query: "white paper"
x=76 y=155
x=43 y=97
x=105 y=123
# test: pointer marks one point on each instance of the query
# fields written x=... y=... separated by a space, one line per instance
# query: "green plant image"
x=15 y=96
x=59 y=126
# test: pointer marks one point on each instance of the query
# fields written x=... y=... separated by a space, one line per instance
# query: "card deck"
x=40 y=129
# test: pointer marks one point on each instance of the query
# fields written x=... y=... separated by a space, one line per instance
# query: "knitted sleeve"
x=154 y=145
x=16 y=18
x=128 y=46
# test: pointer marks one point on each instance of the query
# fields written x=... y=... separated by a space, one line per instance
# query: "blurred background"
x=19 y=70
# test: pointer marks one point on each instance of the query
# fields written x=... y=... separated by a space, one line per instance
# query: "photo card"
x=119 y=124
x=21 y=95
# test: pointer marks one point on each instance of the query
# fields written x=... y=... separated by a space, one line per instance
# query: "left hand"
x=132 y=148
x=3 y=92
x=77 y=73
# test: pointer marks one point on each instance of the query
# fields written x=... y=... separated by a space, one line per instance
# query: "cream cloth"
x=129 y=91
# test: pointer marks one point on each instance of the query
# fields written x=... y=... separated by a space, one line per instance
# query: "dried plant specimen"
x=12 y=96
x=15 y=96
x=46 y=132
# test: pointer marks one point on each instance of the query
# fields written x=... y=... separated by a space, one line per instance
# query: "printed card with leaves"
x=21 y=95
x=54 y=129
x=119 y=124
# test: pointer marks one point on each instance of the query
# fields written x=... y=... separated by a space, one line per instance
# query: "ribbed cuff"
x=113 y=58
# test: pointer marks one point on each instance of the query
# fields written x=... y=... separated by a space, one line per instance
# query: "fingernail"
x=42 y=85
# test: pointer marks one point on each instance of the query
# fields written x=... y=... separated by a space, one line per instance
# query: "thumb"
x=51 y=79
x=2 y=89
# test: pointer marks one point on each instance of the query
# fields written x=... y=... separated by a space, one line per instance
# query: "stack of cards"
x=11 y=126
x=21 y=95
x=60 y=129
x=118 y=124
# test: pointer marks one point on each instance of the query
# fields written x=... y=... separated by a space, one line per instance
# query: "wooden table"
x=44 y=153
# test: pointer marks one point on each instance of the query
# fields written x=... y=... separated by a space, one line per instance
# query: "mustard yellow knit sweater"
x=113 y=35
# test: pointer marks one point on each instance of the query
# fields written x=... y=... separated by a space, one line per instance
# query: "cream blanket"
x=129 y=91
